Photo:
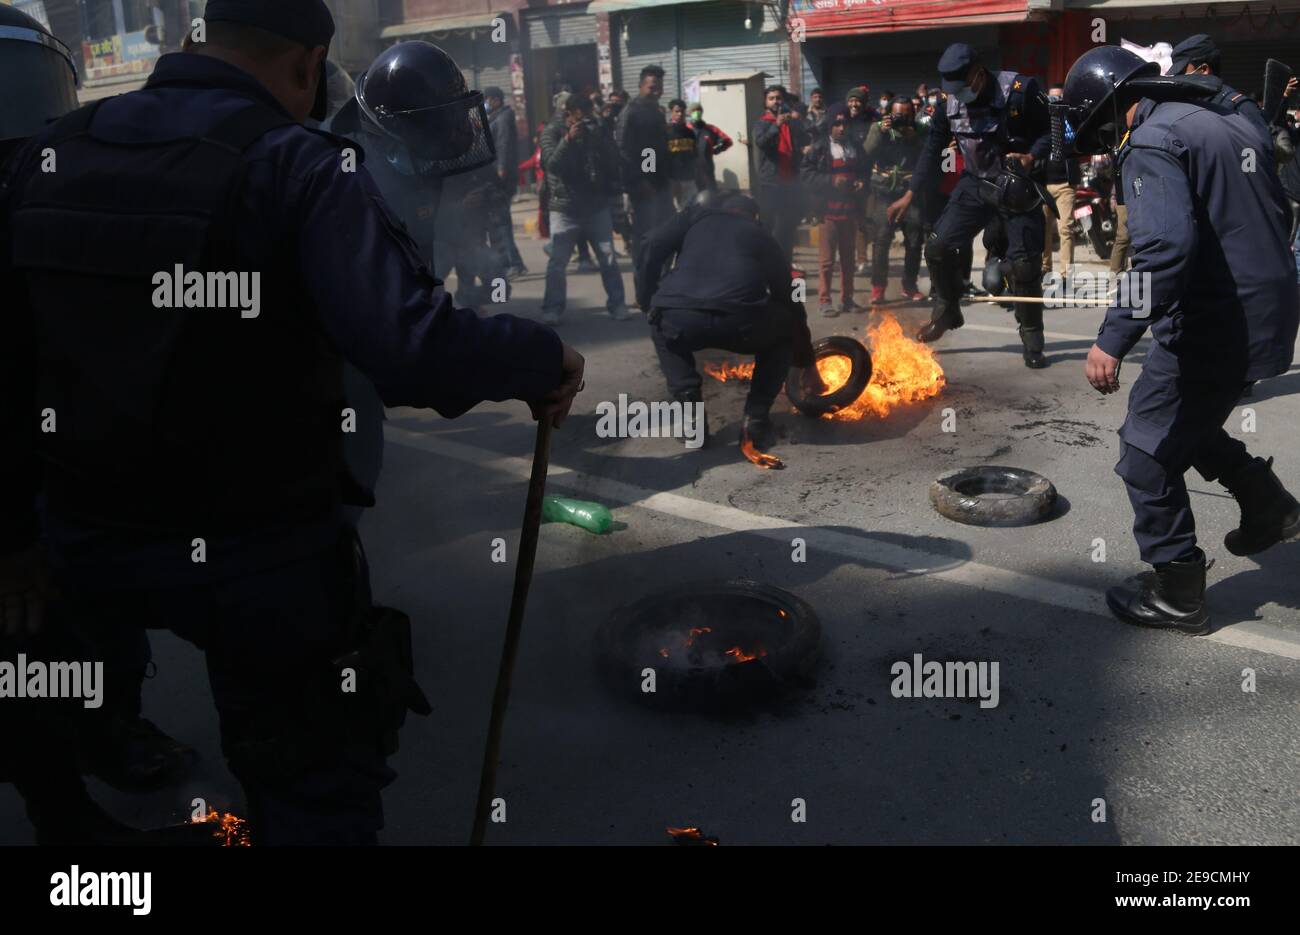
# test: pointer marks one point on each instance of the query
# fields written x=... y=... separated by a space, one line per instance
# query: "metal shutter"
x=897 y=62
x=651 y=40
x=714 y=38
x=491 y=66
x=561 y=27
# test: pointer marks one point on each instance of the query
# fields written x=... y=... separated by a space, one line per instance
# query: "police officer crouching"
x=1001 y=125
x=1222 y=310
x=730 y=289
x=186 y=286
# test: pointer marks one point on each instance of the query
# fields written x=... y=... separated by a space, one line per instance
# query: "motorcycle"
x=1094 y=215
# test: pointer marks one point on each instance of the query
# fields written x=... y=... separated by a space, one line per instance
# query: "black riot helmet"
x=414 y=97
x=37 y=74
x=1099 y=89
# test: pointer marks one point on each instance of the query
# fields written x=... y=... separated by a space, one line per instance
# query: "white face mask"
x=884 y=104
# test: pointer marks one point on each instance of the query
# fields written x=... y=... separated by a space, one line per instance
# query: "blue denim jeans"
x=566 y=231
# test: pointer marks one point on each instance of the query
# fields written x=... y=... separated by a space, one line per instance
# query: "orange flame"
x=725 y=372
x=230 y=829
x=903 y=371
x=739 y=655
x=761 y=458
x=692 y=836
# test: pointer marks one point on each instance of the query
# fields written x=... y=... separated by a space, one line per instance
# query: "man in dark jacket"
x=581 y=170
x=778 y=139
x=1212 y=280
x=642 y=139
x=730 y=289
x=505 y=138
x=180 y=492
x=892 y=150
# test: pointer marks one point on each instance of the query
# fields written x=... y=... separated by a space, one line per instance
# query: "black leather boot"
x=1172 y=597
x=946 y=279
x=759 y=430
x=690 y=398
x=1030 y=319
x=1269 y=514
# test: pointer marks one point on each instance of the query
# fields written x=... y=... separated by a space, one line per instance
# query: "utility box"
x=733 y=102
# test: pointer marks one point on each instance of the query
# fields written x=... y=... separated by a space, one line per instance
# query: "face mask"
x=966 y=95
x=884 y=103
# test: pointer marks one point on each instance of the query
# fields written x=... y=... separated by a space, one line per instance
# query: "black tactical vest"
x=197 y=420
x=987 y=132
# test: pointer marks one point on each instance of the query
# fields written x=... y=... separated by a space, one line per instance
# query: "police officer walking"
x=1000 y=122
x=1209 y=238
x=185 y=288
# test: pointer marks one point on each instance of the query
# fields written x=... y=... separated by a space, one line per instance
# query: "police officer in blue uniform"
x=1001 y=125
x=196 y=478
x=1209 y=244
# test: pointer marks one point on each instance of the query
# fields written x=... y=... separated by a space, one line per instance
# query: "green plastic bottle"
x=590 y=516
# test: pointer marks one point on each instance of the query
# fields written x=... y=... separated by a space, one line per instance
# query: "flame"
x=739 y=655
x=231 y=830
x=903 y=371
x=697 y=632
x=761 y=458
x=692 y=836
x=725 y=372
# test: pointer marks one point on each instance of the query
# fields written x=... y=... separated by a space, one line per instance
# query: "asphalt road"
x=1156 y=725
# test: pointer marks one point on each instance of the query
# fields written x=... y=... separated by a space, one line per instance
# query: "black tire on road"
x=846 y=395
x=957 y=496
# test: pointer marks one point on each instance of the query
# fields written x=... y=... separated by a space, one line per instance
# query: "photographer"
x=892 y=149
x=581 y=166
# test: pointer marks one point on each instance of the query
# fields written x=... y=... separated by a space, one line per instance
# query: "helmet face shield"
x=40 y=81
x=440 y=140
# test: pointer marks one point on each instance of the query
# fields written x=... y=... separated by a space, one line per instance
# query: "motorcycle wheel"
x=1101 y=244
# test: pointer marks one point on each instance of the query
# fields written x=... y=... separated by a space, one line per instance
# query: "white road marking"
x=1260 y=637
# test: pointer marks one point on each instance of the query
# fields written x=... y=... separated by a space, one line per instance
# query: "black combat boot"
x=1033 y=344
x=1170 y=598
x=690 y=398
x=759 y=430
x=947 y=302
x=1269 y=514
x=1030 y=319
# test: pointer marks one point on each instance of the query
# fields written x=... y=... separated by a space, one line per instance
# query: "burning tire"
x=710 y=644
x=1021 y=497
x=847 y=392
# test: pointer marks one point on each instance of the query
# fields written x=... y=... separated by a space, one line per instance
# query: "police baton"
x=514 y=627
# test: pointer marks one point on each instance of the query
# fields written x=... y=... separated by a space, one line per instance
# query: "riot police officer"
x=1210 y=241
x=1000 y=122
x=196 y=478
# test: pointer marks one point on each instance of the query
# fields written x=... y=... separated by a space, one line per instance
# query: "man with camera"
x=581 y=166
x=892 y=149
x=779 y=139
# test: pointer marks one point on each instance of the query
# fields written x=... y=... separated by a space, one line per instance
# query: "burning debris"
x=230 y=830
x=725 y=372
x=761 y=458
x=692 y=837
x=903 y=371
x=710 y=645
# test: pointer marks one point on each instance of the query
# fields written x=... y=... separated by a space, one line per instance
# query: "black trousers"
x=677 y=333
x=963 y=217
x=781 y=206
x=1175 y=422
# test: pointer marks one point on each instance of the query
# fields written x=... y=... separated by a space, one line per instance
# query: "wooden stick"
x=514 y=628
